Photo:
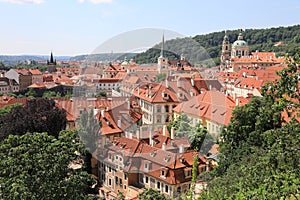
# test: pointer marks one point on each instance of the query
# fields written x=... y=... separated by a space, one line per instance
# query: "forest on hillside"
x=206 y=49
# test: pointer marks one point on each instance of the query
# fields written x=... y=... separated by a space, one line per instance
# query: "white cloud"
x=81 y=1
x=23 y=1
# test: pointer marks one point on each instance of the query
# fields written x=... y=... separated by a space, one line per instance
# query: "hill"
x=103 y=57
x=199 y=48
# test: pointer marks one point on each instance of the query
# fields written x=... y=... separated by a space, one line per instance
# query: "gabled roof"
x=212 y=105
x=35 y=72
x=155 y=93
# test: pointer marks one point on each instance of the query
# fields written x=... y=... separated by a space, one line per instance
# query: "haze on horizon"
x=36 y=27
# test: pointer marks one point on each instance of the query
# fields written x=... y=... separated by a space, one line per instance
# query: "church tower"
x=225 y=56
x=240 y=47
x=51 y=64
x=162 y=61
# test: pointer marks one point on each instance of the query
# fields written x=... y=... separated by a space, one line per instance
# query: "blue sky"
x=72 y=27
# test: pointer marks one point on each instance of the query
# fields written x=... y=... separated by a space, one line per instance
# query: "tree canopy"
x=151 y=194
x=195 y=52
x=200 y=139
x=37 y=166
x=37 y=115
x=260 y=147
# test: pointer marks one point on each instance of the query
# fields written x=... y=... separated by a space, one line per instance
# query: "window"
x=166 y=189
x=141 y=176
x=117 y=180
x=158 y=119
x=125 y=176
x=179 y=189
x=147 y=179
x=167 y=108
x=121 y=182
x=158 y=108
x=109 y=181
x=158 y=185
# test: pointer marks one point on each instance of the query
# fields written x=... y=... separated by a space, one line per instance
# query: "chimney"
x=130 y=135
x=128 y=103
x=167 y=83
x=119 y=123
x=192 y=82
x=164 y=130
x=172 y=133
x=178 y=83
x=151 y=138
x=209 y=87
x=139 y=91
x=237 y=102
x=102 y=113
x=96 y=111
x=181 y=148
x=163 y=147
x=138 y=134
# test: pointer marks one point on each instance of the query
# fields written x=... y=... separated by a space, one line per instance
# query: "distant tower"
x=240 y=47
x=225 y=56
x=162 y=61
x=51 y=64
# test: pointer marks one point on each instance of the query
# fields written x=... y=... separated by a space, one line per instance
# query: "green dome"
x=240 y=43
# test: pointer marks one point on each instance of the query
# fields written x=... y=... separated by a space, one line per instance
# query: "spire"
x=162 y=46
x=225 y=36
x=51 y=58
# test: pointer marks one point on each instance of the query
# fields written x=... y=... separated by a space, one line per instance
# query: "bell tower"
x=162 y=62
x=225 y=55
x=51 y=64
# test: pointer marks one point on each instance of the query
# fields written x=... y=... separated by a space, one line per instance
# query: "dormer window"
x=188 y=172
x=163 y=172
x=152 y=154
x=167 y=159
x=147 y=165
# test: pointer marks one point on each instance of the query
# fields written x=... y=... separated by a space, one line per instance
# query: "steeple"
x=51 y=58
x=51 y=64
x=225 y=55
x=162 y=46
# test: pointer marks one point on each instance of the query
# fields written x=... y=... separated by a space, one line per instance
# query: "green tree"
x=88 y=130
x=101 y=94
x=49 y=94
x=8 y=109
x=151 y=194
x=37 y=115
x=181 y=125
x=160 y=77
x=31 y=93
x=120 y=196
x=37 y=166
x=260 y=148
x=190 y=194
x=200 y=139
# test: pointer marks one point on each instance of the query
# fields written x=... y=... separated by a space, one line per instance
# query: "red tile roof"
x=212 y=105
